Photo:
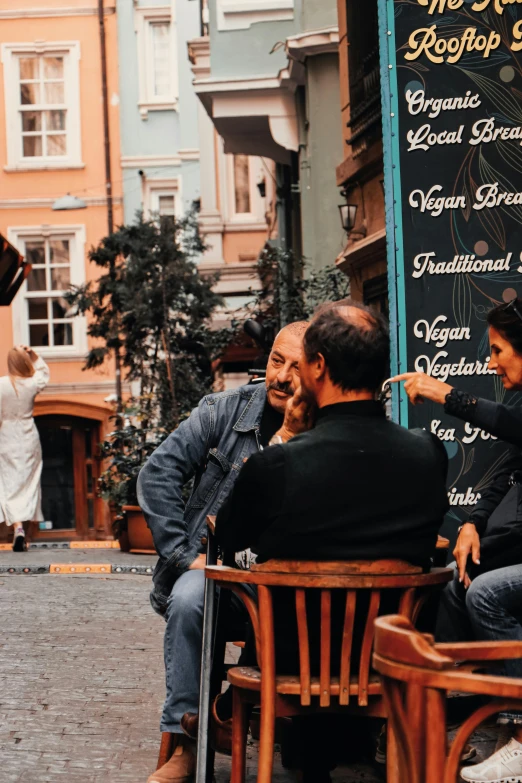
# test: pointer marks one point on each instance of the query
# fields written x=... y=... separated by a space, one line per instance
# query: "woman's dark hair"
x=356 y=350
x=507 y=320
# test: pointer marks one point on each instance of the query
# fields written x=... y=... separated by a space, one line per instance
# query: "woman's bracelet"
x=459 y=403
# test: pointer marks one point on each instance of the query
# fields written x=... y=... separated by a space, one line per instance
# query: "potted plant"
x=150 y=310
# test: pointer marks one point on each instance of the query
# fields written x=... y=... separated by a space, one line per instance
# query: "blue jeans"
x=489 y=610
x=182 y=645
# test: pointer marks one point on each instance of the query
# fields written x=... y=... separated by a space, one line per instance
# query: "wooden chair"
x=417 y=675
x=355 y=688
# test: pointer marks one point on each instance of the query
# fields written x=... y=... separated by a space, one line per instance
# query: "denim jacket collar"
x=250 y=419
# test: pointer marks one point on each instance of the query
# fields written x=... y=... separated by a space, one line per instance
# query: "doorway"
x=69 y=475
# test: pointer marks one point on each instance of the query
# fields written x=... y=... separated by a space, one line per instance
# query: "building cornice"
x=362 y=252
x=188 y=154
x=237 y=227
x=95 y=387
x=255 y=115
x=43 y=13
x=149 y=161
x=199 y=56
x=47 y=202
x=313 y=42
x=239 y=84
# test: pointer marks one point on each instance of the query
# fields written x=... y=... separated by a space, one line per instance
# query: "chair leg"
x=392 y=757
x=166 y=748
x=266 y=745
x=239 y=737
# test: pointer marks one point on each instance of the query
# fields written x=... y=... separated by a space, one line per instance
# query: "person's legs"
x=453 y=623
x=494 y=602
x=182 y=649
x=494 y=605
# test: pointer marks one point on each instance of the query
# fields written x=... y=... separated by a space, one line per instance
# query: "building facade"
x=52 y=139
x=360 y=172
x=158 y=108
x=173 y=160
x=271 y=91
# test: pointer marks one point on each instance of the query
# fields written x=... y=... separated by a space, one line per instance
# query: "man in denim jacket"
x=210 y=446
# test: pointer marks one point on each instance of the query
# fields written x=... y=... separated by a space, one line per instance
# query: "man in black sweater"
x=356 y=486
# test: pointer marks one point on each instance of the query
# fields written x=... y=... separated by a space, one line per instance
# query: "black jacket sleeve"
x=497 y=490
x=502 y=421
x=256 y=498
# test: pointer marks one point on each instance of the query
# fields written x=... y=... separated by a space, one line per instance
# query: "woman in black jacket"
x=505 y=337
x=490 y=608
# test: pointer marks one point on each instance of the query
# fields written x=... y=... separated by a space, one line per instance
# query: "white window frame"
x=18 y=236
x=144 y=18
x=10 y=54
x=255 y=219
x=241 y=14
x=154 y=188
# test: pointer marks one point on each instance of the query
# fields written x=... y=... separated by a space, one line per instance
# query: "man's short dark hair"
x=355 y=346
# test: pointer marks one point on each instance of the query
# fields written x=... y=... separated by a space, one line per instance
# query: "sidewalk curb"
x=66 y=545
x=58 y=569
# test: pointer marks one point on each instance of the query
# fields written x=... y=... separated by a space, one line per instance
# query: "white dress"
x=20 y=448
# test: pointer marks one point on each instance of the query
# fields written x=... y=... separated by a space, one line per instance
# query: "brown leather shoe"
x=181 y=766
x=220 y=730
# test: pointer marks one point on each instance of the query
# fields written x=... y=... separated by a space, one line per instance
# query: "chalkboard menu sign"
x=452 y=100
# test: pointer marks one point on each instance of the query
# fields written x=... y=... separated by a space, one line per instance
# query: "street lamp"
x=69 y=202
x=348 y=214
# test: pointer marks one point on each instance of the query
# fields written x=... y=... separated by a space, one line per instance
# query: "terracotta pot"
x=140 y=537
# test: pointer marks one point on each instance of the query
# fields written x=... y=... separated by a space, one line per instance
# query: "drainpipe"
x=108 y=181
x=103 y=53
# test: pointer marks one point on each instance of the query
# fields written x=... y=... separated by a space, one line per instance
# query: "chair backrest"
x=416 y=676
x=339 y=589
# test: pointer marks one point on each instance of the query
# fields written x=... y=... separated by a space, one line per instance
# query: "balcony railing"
x=365 y=104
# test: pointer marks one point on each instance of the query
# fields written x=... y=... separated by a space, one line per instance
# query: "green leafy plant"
x=152 y=308
x=291 y=291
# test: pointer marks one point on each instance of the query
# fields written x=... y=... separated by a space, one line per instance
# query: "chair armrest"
x=442 y=543
x=211 y=524
x=481 y=651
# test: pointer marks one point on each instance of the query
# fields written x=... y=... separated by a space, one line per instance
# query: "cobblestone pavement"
x=81 y=682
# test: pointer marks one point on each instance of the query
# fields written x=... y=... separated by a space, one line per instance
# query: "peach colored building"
x=52 y=142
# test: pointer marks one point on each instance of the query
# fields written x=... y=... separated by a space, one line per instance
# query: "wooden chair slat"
x=326 y=646
x=367 y=645
x=304 y=647
x=416 y=711
x=346 y=648
x=407 y=603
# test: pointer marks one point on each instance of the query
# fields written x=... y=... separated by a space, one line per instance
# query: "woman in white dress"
x=20 y=448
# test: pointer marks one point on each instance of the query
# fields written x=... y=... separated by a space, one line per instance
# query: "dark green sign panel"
x=452 y=105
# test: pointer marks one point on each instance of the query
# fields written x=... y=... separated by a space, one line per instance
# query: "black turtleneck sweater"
x=357 y=486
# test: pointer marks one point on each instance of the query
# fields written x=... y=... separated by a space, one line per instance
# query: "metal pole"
x=108 y=179
x=206 y=667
